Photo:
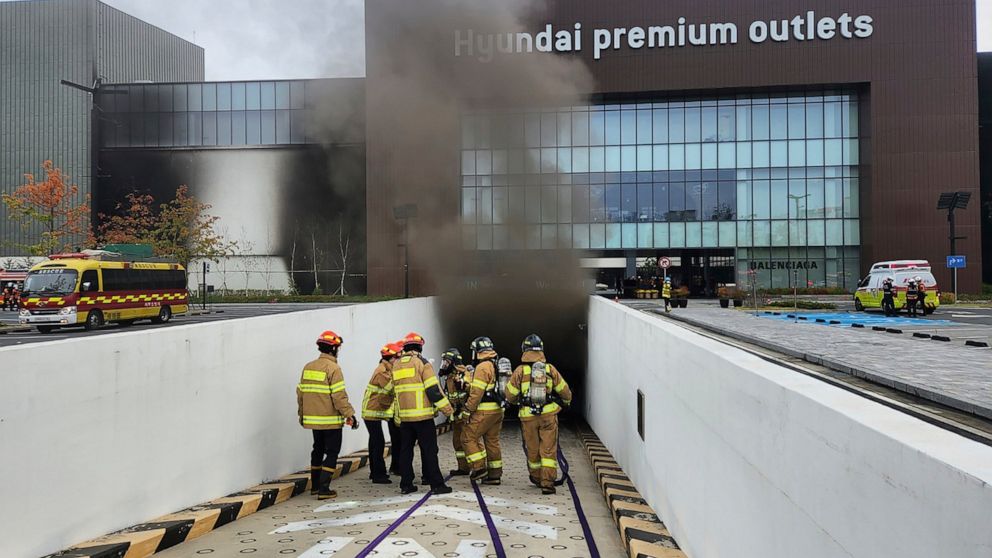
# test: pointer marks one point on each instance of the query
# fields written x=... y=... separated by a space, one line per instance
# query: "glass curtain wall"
x=775 y=177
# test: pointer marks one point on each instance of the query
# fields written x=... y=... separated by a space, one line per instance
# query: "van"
x=869 y=293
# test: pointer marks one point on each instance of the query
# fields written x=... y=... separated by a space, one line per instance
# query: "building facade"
x=796 y=142
x=84 y=42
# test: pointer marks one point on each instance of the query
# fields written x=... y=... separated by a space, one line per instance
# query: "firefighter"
x=419 y=397
x=888 y=302
x=377 y=408
x=921 y=295
x=538 y=388
x=10 y=297
x=324 y=409
x=483 y=415
x=666 y=294
x=457 y=380
x=4 y=297
x=911 y=298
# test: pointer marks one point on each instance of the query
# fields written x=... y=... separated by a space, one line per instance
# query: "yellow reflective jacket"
x=322 y=401
x=378 y=401
x=483 y=380
x=413 y=376
x=519 y=385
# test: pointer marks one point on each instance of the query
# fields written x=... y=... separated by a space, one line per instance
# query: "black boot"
x=314 y=480
x=457 y=473
x=442 y=489
x=325 y=492
x=408 y=489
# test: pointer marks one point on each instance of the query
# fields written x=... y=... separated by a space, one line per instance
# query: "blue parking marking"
x=845 y=319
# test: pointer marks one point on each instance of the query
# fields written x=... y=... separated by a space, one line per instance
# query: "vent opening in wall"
x=640 y=413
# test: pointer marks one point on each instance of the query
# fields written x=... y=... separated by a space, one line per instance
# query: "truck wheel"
x=164 y=315
x=858 y=306
x=94 y=319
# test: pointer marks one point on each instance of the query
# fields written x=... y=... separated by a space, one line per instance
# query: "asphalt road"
x=216 y=312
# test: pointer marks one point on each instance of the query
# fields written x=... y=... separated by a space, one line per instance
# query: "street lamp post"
x=951 y=201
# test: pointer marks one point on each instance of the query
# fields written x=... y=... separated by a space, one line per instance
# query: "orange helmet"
x=412 y=339
x=330 y=338
x=389 y=350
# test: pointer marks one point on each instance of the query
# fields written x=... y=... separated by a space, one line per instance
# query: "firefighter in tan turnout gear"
x=377 y=408
x=324 y=409
x=484 y=412
x=538 y=387
x=456 y=381
x=418 y=398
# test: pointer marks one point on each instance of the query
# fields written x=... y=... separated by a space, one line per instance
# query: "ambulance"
x=869 y=293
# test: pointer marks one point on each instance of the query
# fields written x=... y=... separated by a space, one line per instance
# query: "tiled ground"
x=529 y=523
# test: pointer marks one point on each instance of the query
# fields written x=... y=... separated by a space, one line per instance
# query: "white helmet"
x=918 y=278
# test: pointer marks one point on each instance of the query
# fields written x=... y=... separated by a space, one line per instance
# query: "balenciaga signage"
x=784 y=264
x=682 y=33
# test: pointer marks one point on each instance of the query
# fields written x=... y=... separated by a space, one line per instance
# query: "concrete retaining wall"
x=745 y=458
x=103 y=432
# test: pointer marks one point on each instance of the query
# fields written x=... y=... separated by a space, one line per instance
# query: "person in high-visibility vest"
x=457 y=381
x=377 y=408
x=324 y=409
x=538 y=388
x=418 y=399
x=666 y=294
x=484 y=416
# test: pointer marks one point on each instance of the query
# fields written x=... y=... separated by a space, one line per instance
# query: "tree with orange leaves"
x=181 y=228
x=54 y=206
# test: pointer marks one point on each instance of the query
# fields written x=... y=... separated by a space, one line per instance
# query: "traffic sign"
x=665 y=263
x=957 y=262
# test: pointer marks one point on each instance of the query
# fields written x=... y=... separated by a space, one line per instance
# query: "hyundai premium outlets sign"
x=682 y=33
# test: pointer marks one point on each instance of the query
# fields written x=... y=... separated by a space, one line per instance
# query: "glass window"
x=743 y=124
x=564 y=129
x=628 y=127
x=613 y=203
x=469 y=206
x=282 y=126
x=484 y=205
x=780 y=233
x=223 y=96
x=282 y=95
x=661 y=207
x=709 y=153
x=565 y=204
x=644 y=163
x=297 y=95
x=612 y=127
x=814 y=120
x=597 y=128
x=797 y=153
x=468 y=162
x=580 y=128
x=549 y=205
x=518 y=205
x=710 y=206
x=833 y=152
x=762 y=154
x=779 y=121
x=195 y=96
x=209 y=128
x=779 y=153
x=835 y=232
x=850 y=148
x=223 y=128
x=726 y=124
x=237 y=96
x=851 y=201
x=780 y=199
x=165 y=129
x=709 y=124
x=814 y=153
x=661 y=235
x=660 y=128
x=268 y=92
x=180 y=127
x=532 y=129
x=815 y=232
x=628 y=158
x=850 y=117
x=727 y=235
x=676 y=201
x=238 y=128
x=179 y=98
x=151 y=129
x=814 y=199
x=659 y=157
x=268 y=127
x=743 y=200
x=597 y=159
x=549 y=129
x=676 y=125
x=692 y=125
x=195 y=132
x=597 y=236
x=628 y=235
x=253 y=127
x=644 y=132
x=744 y=233
x=549 y=160
x=253 y=96
x=761 y=129
x=693 y=156
x=797 y=121
x=833 y=121
x=580 y=236
x=580 y=203
x=762 y=199
x=629 y=203
x=210 y=96
x=762 y=231
x=612 y=159
x=676 y=235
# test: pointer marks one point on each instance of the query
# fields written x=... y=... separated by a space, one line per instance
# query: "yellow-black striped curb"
x=643 y=533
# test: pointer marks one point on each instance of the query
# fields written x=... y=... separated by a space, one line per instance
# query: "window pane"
x=282 y=95
x=797 y=153
x=179 y=98
x=268 y=93
x=780 y=233
x=660 y=128
x=762 y=199
x=253 y=98
x=693 y=156
x=597 y=128
x=779 y=121
x=165 y=129
x=661 y=207
x=676 y=125
x=564 y=129
x=743 y=130
x=628 y=158
x=296 y=94
x=237 y=96
x=835 y=232
x=195 y=96
x=779 y=153
x=469 y=206
x=851 y=201
x=612 y=127
x=549 y=130
x=223 y=96
x=180 y=126
x=833 y=152
x=644 y=134
x=282 y=126
x=692 y=125
x=549 y=205
x=580 y=236
x=223 y=128
x=484 y=206
x=762 y=154
x=833 y=126
x=253 y=127
x=761 y=130
x=661 y=235
x=708 y=126
x=726 y=124
x=580 y=128
x=814 y=120
x=209 y=128
x=195 y=129
x=797 y=121
x=209 y=96
x=268 y=127
x=676 y=235
x=597 y=236
x=659 y=157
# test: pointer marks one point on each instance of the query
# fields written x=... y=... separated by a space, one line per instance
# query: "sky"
x=293 y=39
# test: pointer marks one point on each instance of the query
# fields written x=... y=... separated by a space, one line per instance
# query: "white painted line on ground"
x=397 y=547
x=327 y=547
x=469 y=548
x=448 y=512
x=458 y=495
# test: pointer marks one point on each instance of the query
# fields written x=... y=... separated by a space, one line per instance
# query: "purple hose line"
x=493 y=533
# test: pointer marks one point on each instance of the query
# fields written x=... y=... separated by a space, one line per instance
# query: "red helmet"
x=389 y=350
x=412 y=339
x=330 y=338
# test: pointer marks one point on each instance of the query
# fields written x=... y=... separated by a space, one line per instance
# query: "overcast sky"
x=273 y=39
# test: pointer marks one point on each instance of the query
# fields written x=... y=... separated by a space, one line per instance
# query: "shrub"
x=947 y=298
